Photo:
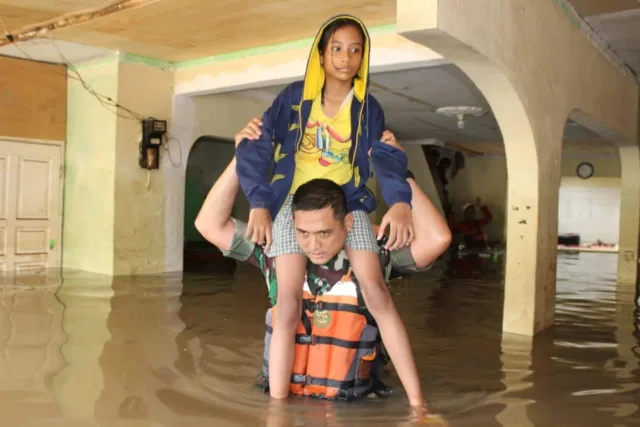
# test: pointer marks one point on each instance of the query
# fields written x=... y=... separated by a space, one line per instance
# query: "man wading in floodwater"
x=321 y=222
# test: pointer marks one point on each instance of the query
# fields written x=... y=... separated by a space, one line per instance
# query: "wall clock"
x=585 y=170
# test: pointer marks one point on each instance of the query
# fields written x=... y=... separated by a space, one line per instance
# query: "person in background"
x=472 y=228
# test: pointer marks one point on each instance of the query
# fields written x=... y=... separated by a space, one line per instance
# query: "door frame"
x=61 y=146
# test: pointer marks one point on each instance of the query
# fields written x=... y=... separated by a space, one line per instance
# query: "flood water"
x=173 y=351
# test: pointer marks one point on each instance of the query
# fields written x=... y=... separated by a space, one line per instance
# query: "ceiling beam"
x=71 y=19
x=570 y=147
x=588 y=8
x=474 y=150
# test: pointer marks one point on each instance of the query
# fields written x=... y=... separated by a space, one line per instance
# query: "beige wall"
x=225 y=114
x=604 y=167
x=591 y=207
x=486 y=177
x=592 y=211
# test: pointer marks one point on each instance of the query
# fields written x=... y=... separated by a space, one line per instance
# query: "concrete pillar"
x=534 y=176
x=114 y=211
x=87 y=239
x=531 y=94
x=139 y=209
x=629 y=215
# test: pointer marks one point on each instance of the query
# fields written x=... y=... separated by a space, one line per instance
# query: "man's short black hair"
x=318 y=194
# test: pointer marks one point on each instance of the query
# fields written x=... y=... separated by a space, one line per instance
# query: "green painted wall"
x=207 y=161
x=88 y=222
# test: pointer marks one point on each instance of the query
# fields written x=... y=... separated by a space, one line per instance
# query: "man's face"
x=320 y=235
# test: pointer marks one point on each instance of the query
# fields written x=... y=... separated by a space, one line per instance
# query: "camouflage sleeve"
x=241 y=248
x=402 y=263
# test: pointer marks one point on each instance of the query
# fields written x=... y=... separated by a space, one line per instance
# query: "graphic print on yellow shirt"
x=325 y=146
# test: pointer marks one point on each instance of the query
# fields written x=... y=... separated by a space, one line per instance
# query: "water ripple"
x=186 y=351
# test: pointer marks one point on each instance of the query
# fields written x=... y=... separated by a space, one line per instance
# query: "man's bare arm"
x=214 y=219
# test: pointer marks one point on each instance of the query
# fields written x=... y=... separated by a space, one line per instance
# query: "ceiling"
x=410 y=107
x=178 y=30
x=617 y=24
x=55 y=51
x=23 y=13
x=621 y=32
x=588 y=8
x=174 y=30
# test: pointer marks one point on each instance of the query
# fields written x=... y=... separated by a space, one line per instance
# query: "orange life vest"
x=338 y=352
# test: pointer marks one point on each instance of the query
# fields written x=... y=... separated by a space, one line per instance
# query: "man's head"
x=321 y=219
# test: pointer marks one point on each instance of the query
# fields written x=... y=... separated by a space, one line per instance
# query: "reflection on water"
x=168 y=351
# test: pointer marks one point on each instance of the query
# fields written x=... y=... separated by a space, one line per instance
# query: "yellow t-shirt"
x=324 y=150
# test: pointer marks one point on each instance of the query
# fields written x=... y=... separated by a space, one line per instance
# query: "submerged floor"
x=157 y=352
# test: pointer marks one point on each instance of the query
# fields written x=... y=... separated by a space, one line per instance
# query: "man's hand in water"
x=251 y=131
x=259 y=227
x=401 y=233
x=424 y=418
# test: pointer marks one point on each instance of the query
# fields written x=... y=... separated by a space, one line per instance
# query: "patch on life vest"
x=364 y=370
x=321 y=318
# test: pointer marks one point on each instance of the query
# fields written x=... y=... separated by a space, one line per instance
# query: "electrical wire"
x=107 y=102
x=167 y=148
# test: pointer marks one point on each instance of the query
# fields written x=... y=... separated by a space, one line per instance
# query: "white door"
x=30 y=207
